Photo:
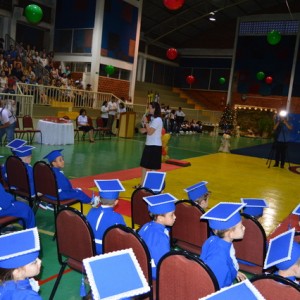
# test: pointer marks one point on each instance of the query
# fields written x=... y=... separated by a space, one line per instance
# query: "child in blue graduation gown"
x=218 y=251
x=155 y=233
x=10 y=207
x=103 y=217
x=17 y=268
x=284 y=253
x=65 y=189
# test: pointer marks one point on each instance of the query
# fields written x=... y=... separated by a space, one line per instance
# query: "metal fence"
x=64 y=97
x=20 y=105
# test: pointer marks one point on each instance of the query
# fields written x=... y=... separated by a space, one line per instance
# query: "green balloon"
x=110 y=70
x=33 y=13
x=274 y=37
x=222 y=80
x=260 y=75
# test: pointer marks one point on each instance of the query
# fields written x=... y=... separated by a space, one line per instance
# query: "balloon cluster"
x=173 y=4
x=165 y=137
x=33 y=13
x=261 y=76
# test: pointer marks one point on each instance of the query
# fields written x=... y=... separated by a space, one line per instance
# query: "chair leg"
x=61 y=271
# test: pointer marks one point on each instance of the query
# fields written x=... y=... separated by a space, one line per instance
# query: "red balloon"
x=172 y=53
x=269 y=80
x=190 y=79
x=163 y=131
x=173 y=4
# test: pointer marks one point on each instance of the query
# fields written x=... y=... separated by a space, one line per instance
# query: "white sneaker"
x=96 y=201
x=43 y=205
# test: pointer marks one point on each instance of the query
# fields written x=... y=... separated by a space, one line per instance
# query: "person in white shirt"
x=179 y=118
x=112 y=110
x=83 y=124
x=151 y=157
x=104 y=113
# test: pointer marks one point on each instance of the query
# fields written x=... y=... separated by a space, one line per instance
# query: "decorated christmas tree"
x=227 y=119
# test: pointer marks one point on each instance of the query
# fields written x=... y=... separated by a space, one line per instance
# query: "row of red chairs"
x=180 y=274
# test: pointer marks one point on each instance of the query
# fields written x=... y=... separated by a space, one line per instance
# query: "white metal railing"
x=55 y=96
x=23 y=103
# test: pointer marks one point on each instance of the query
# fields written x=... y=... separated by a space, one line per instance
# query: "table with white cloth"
x=56 y=133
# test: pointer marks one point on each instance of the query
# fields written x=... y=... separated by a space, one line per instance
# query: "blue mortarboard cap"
x=52 y=155
x=161 y=204
x=282 y=252
x=154 y=181
x=197 y=190
x=16 y=143
x=115 y=275
x=254 y=206
x=245 y=290
x=109 y=189
x=296 y=211
x=23 y=151
x=19 y=248
x=224 y=215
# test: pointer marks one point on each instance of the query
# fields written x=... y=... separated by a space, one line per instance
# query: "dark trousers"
x=280 y=153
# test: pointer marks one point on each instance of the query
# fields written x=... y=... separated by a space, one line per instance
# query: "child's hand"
x=241 y=276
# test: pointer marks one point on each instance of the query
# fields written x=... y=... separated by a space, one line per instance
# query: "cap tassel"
x=82 y=288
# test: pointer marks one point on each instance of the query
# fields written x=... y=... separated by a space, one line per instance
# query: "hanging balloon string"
x=288 y=7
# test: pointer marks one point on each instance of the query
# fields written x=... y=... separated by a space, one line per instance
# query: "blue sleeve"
x=31 y=180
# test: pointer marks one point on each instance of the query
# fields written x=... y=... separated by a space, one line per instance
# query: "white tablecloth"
x=55 y=133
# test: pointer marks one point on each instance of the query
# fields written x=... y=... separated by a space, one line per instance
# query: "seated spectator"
x=218 y=251
x=155 y=233
x=199 y=194
x=19 y=263
x=84 y=125
x=103 y=217
x=11 y=207
x=65 y=189
x=284 y=253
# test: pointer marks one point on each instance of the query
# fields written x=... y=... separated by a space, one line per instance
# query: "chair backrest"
x=99 y=122
x=252 y=248
x=182 y=275
x=188 y=231
x=139 y=208
x=27 y=122
x=120 y=237
x=90 y=121
x=45 y=180
x=74 y=237
x=276 y=287
x=17 y=176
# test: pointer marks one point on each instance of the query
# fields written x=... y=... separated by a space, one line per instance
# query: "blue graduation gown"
x=156 y=237
x=65 y=189
x=10 y=207
x=216 y=254
x=100 y=219
x=18 y=290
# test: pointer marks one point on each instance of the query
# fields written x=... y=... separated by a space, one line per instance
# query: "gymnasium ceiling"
x=190 y=27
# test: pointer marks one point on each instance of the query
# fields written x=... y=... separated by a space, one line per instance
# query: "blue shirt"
x=156 y=237
x=18 y=290
x=100 y=219
x=283 y=135
x=216 y=254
